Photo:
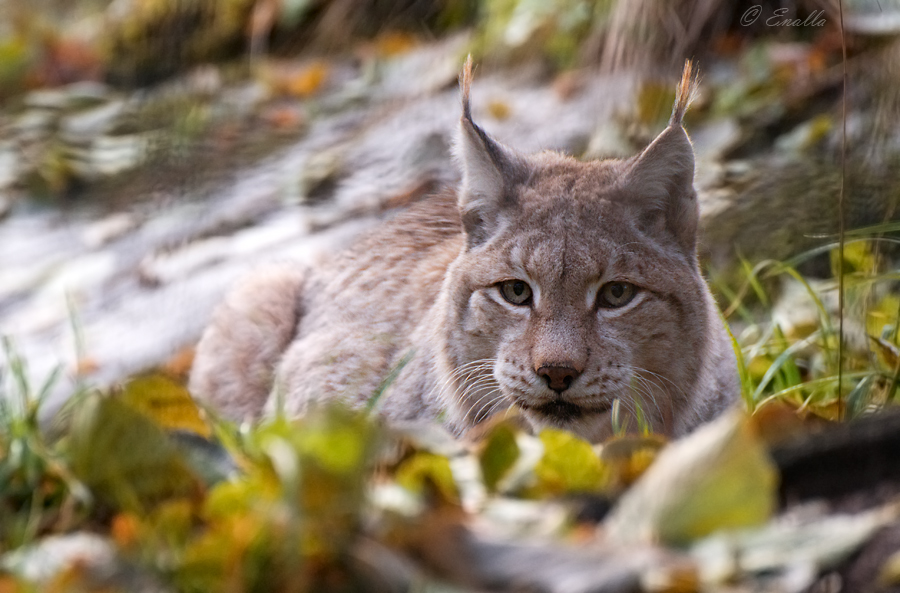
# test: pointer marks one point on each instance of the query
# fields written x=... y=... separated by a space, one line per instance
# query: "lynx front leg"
x=236 y=358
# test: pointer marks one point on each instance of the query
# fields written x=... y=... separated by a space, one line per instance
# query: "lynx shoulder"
x=543 y=283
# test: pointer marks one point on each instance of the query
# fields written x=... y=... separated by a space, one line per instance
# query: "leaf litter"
x=306 y=505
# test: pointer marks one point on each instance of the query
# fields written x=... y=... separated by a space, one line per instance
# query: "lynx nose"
x=558 y=378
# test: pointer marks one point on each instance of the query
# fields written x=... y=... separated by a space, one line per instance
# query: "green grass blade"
x=779 y=362
x=388 y=380
x=818 y=383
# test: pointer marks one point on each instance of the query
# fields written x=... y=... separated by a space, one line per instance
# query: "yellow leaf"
x=888 y=351
x=166 y=402
x=883 y=314
x=125 y=458
x=425 y=471
x=499 y=109
x=569 y=464
x=628 y=456
x=719 y=477
x=889 y=575
x=858 y=257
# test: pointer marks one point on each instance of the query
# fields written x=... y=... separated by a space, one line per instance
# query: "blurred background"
x=151 y=151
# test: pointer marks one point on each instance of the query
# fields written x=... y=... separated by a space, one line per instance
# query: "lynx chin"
x=544 y=283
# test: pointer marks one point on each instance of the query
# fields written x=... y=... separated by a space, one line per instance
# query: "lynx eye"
x=516 y=292
x=616 y=294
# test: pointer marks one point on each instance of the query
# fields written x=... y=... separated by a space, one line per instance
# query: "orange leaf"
x=9 y=585
x=179 y=365
x=394 y=43
x=68 y=60
x=308 y=80
x=86 y=366
x=284 y=117
x=124 y=529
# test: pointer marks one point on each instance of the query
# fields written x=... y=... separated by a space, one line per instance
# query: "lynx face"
x=575 y=304
x=578 y=286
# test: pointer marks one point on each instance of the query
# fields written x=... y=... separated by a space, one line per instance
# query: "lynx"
x=543 y=283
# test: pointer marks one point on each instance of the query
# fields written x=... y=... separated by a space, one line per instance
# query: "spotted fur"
x=422 y=300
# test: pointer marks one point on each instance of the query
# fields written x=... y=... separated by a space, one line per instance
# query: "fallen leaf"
x=86 y=366
x=284 y=117
x=628 y=456
x=889 y=352
x=719 y=477
x=786 y=546
x=498 y=452
x=425 y=474
x=777 y=421
x=308 y=80
x=179 y=364
x=889 y=575
x=124 y=529
x=394 y=43
x=569 y=464
x=499 y=109
x=124 y=457
x=568 y=84
x=9 y=585
x=66 y=61
x=165 y=401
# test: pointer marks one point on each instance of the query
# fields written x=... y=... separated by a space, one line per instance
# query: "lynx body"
x=545 y=283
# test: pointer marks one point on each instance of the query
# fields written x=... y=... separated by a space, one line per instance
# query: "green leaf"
x=498 y=454
x=426 y=473
x=124 y=457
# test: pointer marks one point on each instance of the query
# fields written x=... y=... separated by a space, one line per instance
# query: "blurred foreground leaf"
x=569 y=464
x=498 y=453
x=426 y=474
x=165 y=401
x=287 y=523
x=719 y=477
x=628 y=457
x=783 y=546
x=125 y=458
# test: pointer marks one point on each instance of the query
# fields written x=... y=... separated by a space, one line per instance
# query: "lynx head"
x=577 y=286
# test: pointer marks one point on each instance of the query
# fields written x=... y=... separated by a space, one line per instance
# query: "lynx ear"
x=490 y=171
x=661 y=178
x=660 y=182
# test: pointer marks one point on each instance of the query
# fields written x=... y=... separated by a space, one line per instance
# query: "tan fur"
x=684 y=93
x=422 y=297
